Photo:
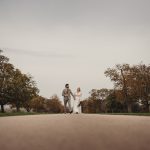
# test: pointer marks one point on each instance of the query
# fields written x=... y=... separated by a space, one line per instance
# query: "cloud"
x=49 y=53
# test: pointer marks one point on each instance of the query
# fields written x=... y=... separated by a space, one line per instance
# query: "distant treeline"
x=19 y=90
x=131 y=92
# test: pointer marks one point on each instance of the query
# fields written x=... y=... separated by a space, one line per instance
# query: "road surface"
x=75 y=132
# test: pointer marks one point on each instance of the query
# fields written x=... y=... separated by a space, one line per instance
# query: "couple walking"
x=67 y=93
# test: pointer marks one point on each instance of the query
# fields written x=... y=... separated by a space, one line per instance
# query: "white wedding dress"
x=76 y=107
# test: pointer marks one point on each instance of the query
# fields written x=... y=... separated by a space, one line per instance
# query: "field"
x=34 y=113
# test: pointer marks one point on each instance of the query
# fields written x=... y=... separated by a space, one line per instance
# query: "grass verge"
x=131 y=114
x=34 y=113
x=18 y=114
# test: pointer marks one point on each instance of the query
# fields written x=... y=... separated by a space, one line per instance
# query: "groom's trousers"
x=67 y=100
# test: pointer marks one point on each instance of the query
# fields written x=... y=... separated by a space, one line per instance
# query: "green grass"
x=33 y=113
x=18 y=114
x=131 y=114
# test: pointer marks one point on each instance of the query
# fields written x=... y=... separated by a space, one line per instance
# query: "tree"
x=38 y=104
x=41 y=104
x=92 y=104
x=30 y=91
x=118 y=76
x=6 y=71
x=98 y=98
x=53 y=105
x=132 y=83
x=24 y=89
x=112 y=104
x=140 y=83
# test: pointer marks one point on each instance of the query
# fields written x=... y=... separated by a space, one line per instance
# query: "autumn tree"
x=100 y=94
x=112 y=104
x=140 y=84
x=53 y=105
x=118 y=76
x=24 y=89
x=6 y=71
x=131 y=83
x=38 y=104
x=96 y=103
x=41 y=104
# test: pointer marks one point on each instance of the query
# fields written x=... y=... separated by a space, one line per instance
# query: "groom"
x=67 y=98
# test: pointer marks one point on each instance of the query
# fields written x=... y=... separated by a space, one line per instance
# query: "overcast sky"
x=74 y=41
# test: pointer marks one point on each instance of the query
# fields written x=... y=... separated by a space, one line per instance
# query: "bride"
x=77 y=105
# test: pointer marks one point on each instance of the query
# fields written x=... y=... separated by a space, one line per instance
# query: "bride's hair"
x=78 y=89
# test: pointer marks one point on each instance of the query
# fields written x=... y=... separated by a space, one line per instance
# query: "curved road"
x=75 y=132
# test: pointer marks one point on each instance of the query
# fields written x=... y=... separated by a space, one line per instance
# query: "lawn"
x=34 y=113
x=132 y=114
x=17 y=114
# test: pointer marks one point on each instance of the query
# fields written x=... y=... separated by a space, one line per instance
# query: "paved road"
x=75 y=132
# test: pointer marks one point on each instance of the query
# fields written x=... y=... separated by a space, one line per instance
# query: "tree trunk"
x=2 y=108
x=28 y=109
x=129 y=108
x=147 y=108
x=18 y=108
